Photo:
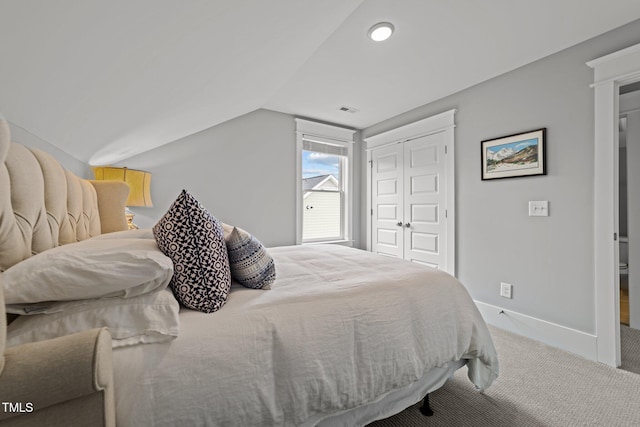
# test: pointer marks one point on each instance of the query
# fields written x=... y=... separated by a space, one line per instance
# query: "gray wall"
x=28 y=139
x=243 y=171
x=549 y=260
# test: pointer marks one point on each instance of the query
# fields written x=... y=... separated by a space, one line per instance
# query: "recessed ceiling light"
x=381 y=31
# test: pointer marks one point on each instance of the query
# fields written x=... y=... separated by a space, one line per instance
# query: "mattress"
x=339 y=329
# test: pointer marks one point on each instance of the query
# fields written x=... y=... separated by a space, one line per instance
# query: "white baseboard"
x=555 y=335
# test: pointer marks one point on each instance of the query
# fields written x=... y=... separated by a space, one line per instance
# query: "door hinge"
x=446 y=213
x=615 y=236
x=371 y=164
x=445 y=149
x=371 y=211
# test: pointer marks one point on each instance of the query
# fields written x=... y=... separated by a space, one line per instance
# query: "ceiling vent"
x=346 y=109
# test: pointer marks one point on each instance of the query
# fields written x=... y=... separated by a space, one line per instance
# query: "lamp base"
x=130 y=216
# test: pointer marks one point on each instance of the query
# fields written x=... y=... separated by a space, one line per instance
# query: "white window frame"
x=323 y=133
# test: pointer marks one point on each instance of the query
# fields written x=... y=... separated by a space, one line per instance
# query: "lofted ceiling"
x=106 y=80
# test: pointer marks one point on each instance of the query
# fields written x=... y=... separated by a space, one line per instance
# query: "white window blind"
x=326 y=146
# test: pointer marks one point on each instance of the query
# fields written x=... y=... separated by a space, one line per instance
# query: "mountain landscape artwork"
x=514 y=155
x=517 y=155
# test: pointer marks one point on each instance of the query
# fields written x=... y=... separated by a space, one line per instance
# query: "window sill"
x=332 y=242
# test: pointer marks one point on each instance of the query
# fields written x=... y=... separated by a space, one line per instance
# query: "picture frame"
x=517 y=155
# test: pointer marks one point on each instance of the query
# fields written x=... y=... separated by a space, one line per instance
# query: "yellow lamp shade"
x=139 y=183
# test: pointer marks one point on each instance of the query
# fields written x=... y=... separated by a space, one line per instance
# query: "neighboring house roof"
x=317 y=182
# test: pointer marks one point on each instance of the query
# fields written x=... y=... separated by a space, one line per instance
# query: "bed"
x=340 y=336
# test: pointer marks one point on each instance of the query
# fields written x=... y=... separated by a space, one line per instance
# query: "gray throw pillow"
x=251 y=265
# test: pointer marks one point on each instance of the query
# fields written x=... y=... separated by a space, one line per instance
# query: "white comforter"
x=340 y=328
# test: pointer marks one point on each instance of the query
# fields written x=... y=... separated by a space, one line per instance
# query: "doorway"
x=629 y=149
x=629 y=203
x=610 y=73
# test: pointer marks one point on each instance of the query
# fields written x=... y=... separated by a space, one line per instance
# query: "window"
x=324 y=202
x=323 y=192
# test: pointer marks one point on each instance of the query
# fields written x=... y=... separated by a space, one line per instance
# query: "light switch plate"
x=539 y=208
x=506 y=289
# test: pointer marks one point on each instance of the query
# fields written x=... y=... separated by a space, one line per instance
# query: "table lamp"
x=139 y=186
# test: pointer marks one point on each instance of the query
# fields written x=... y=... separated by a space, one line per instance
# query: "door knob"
x=399 y=224
x=407 y=225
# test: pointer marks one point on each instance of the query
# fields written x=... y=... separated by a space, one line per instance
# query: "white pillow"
x=148 y=318
x=88 y=269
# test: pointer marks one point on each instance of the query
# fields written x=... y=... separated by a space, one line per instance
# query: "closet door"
x=411 y=192
x=387 y=223
x=424 y=200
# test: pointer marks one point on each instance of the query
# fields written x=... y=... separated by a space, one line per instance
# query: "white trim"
x=610 y=72
x=420 y=135
x=299 y=191
x=568 y=339
x=443 y=122
x=423 y=127
x=450 y=212
x=369 y=209
x=333 y=242
x=612 y=62
x=623 y=79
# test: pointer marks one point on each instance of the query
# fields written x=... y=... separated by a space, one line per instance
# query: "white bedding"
x=339 y=328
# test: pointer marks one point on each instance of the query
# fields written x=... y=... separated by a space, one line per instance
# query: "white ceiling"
x=105 y=80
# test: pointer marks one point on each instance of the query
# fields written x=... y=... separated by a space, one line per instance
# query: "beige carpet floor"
x=538 y=386
x=630 y=343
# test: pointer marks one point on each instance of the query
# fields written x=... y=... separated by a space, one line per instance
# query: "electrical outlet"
x=505 y=290
x=539 y=208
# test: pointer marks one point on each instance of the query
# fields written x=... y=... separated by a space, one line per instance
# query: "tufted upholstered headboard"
x=42 y=205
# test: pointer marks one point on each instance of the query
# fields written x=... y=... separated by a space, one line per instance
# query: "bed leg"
x=425 y=409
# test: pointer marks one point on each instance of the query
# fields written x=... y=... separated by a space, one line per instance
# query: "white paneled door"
x=409 y=197
x=387 y=208
x=425 y=200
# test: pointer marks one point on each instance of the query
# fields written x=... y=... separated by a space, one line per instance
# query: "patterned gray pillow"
x=251 y=265
x=194 y=240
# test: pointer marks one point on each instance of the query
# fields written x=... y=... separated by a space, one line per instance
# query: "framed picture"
x=511 y=156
